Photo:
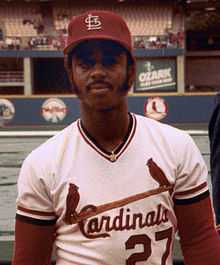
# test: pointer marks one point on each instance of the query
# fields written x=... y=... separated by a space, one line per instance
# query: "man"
x=112 y=188
x=214 y=137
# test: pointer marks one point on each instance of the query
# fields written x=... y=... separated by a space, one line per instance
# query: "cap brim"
x=72 y=46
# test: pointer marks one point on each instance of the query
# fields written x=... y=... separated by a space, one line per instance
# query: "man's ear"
x=131 y=74
x=68 y=68
x=69 y=71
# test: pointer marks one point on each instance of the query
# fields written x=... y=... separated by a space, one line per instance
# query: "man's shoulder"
x=158 y=126
x=54 y=144
x=162 y=134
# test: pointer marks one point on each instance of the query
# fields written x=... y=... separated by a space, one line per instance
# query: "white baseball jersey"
x=133 y=229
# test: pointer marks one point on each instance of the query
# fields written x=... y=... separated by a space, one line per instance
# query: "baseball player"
x=113 y=187
x=214 y=133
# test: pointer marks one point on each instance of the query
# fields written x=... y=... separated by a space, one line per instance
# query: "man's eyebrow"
x=82 y=54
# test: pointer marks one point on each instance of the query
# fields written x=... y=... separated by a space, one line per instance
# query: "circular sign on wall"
x=156 y=108
x=54 y=110
x=7 y=111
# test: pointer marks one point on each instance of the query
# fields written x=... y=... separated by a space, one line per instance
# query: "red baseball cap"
x=98 y=24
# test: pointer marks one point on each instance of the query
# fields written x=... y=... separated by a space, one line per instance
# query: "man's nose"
x=98 y=71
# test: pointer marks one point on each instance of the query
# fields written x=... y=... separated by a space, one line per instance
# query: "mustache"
x=102 y=83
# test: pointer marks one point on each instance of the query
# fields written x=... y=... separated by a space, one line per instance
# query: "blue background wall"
x=181 y=109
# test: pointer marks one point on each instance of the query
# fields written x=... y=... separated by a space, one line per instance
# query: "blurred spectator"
x=172 y=39
x=1 y=34
x=17 y=43
x=9 y=43
x=168 y=40
x=2 y=44
x=56 y=44
x=180 y=39
x=158 y=43
x=27 y=21
x=32 y=43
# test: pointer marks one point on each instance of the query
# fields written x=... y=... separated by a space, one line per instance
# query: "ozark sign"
x=156 y=75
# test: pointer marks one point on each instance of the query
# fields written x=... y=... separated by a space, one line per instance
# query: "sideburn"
x=127 y=85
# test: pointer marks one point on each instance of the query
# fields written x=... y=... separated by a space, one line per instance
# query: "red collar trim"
x=112 y=157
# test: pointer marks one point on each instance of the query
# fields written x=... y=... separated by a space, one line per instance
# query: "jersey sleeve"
x=191 y=181
x=34 y=203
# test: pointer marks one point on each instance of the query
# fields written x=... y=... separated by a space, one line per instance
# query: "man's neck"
x=108 y=128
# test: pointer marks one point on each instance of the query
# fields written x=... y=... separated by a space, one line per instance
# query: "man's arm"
x=33 y=242
x=35 y=216
x=199 y=239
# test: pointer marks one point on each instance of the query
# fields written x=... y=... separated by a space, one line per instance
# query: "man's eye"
x=86 y=64
x=109 y=61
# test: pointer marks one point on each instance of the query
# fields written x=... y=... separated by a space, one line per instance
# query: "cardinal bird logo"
x=72 y=201
x=88 y=211
x=157 y=173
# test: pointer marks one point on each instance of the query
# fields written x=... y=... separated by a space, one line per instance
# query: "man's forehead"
x=100 y=46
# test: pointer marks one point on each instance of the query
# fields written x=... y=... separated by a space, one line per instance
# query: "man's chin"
x=104 y=107
x=107 y=109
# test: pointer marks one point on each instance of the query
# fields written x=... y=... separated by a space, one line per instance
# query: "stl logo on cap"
x=93 y=22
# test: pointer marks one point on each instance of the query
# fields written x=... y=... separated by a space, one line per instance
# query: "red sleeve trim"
x=191 y=200
x=200 y=187
x=34 y=221
x=35 y=212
